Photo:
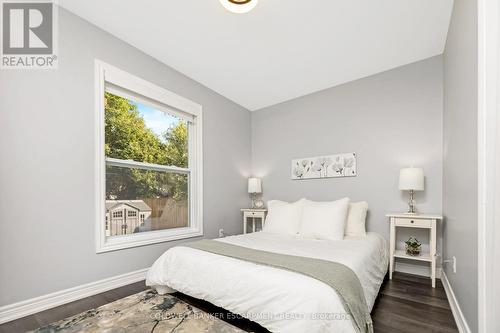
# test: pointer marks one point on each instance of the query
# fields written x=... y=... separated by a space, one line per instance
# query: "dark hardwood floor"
x=405 y=304
x=408 y=303
x=48 y=316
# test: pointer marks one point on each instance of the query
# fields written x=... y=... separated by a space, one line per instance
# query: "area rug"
x=143 y=312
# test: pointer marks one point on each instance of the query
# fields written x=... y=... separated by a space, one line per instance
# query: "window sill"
x=115 y=243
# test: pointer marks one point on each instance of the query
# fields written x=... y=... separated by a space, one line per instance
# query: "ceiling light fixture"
x=239 y=6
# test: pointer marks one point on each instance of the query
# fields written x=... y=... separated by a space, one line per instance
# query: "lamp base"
x=256 y=202
x=411 y=204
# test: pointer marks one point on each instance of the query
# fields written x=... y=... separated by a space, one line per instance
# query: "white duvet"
x=279 y=300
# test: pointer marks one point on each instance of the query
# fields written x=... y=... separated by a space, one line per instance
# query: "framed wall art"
x=329 y=166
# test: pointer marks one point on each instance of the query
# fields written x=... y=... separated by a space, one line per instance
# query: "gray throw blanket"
x=338 y=276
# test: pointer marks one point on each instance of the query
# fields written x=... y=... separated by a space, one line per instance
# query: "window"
x=149 y=163
x=117 y=214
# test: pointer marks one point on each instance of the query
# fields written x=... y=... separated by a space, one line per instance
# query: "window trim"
x=175 y=104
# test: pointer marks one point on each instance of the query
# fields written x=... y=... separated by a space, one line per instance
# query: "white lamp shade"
x=411 y=179
x=254 y=185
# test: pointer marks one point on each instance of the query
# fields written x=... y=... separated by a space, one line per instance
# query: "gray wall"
x=460 y=155
x=391 y=120
x=47 y=172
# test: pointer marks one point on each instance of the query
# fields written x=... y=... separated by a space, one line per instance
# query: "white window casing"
x=118 y=82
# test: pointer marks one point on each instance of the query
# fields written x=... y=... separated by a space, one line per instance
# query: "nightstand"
x=414 y=221
x=250 y=213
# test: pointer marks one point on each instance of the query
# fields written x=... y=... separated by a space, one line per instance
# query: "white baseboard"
x=37 y=304
x=455 y=307
x=421 y=270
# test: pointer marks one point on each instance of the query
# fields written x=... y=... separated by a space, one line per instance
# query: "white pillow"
x=324 y=220
x=283 y=218
x=356 y=219
x=274 y=203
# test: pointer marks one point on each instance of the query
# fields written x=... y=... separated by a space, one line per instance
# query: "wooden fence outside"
x=168 y=213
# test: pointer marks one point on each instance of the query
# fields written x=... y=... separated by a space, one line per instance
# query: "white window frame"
x=107 y=78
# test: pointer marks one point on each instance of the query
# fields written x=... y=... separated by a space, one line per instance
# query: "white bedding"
x=279 y=300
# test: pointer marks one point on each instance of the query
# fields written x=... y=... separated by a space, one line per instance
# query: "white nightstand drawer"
x=412 y=223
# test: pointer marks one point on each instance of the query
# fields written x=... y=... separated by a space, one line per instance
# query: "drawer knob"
x=412 y=221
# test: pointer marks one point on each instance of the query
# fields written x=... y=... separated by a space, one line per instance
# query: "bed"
x=277 y=299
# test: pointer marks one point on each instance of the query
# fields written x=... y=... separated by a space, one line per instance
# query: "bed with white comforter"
x=279 y=300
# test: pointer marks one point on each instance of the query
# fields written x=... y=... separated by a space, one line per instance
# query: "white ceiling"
x=281 y=50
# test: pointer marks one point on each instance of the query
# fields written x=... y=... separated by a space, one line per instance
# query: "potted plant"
x=413 y=246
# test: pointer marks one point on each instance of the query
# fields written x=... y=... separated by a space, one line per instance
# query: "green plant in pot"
x=413 y=246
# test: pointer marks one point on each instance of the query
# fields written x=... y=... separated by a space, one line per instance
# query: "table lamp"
x=411 y=179
x=255 y=188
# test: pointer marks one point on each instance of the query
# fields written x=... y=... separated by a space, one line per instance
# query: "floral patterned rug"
x=143 y=312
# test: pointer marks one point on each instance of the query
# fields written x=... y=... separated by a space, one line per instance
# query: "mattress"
x=279 y=300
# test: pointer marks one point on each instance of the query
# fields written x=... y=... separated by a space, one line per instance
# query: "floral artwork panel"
x=329 y=166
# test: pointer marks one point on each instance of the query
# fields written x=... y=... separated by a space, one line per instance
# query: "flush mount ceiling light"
x=239 y=6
